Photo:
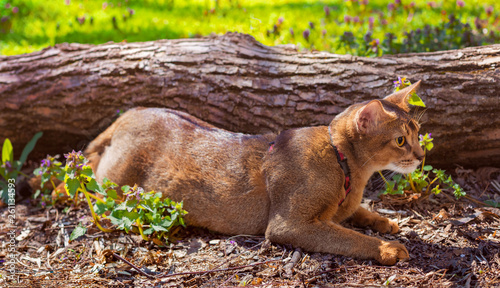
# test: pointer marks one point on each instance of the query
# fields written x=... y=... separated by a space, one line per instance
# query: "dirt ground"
x=451 y=243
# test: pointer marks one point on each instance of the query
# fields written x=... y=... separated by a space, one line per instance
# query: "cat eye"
x=400 y=141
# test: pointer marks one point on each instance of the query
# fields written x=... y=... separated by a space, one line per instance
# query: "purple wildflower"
x=327 y=11
x=397 y=2
x=347 y=18
x=306 y=34
x=323 y=32
x=311 y=24
x=131 y=11
x=7 y=166
x=398 y=83
x=138 y=192
x=75 y=159
x=489 y=10
x=364 y=2
x=45 y=163
x=280 y=20
x=460 y=3
x=371 y=20
x=391 y=6
x=355 y=19
x=291 y=32
x=15 y=10
x=432 y=4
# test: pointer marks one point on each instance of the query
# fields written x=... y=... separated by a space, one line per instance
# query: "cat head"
x=389 y=132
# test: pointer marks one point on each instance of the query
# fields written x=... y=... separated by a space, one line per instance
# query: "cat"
x=296 y=187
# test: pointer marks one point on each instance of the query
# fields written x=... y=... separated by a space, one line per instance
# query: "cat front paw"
x=384 y=225
x=391 y=252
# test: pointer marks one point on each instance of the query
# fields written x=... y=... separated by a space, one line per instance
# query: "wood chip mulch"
x=452 y=244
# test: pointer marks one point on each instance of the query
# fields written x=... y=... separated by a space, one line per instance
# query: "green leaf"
x=159 y=227
x=4 y=189
x=106 y=183
x=492 y=203
x=415 y=100
x=44 y=179
x=148 y=231
x=436 y=190
x=87 y=171
x=112 y=193
x=100 y=208
x=458 y=191
x=77 y=232
x=125 y=188
x=7 y=151
x=110 y=203
x=121 y=206
x=427 y=168
x=127 y=223
x=146 y=207
x=166 y=223
x=131 y=204
x=62 y=175
x=29 y=147
x=116 y=217
x=94 y=186
x=72 y=184
x=37 y=193
x=429 y=146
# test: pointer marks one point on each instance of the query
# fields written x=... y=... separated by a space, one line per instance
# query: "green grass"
x=38 y=24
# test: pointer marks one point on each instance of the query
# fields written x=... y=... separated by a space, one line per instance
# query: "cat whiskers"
x=387 y=174
x=369 y=159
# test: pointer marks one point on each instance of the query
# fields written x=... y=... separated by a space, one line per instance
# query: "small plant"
x=144 y=213
x=10 y=168
x=426 y=180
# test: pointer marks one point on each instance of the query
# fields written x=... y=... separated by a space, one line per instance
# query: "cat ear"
x=370 y=116
x=401 y=97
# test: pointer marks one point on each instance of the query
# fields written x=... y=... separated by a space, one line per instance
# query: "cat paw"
x=385 y=225
x=391 y=252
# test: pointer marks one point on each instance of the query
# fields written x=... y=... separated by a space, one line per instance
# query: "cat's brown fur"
x=233 y=183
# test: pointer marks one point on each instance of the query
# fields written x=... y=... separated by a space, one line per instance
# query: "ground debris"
x=451 y=244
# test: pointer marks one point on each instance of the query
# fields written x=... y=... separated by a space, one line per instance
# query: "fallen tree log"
x=72 y=92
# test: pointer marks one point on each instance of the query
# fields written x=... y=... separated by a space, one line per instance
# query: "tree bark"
x=72 y=92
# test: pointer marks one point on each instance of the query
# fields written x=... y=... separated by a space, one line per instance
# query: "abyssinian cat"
x=295 y=187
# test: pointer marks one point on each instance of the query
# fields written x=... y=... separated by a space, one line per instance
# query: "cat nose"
x=419 y=157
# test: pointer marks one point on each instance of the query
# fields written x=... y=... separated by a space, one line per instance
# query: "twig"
x=472 y=199
x=217 y=270
x=133 y=266
x=297 y=254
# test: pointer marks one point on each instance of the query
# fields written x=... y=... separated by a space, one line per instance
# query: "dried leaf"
x=466 y=219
